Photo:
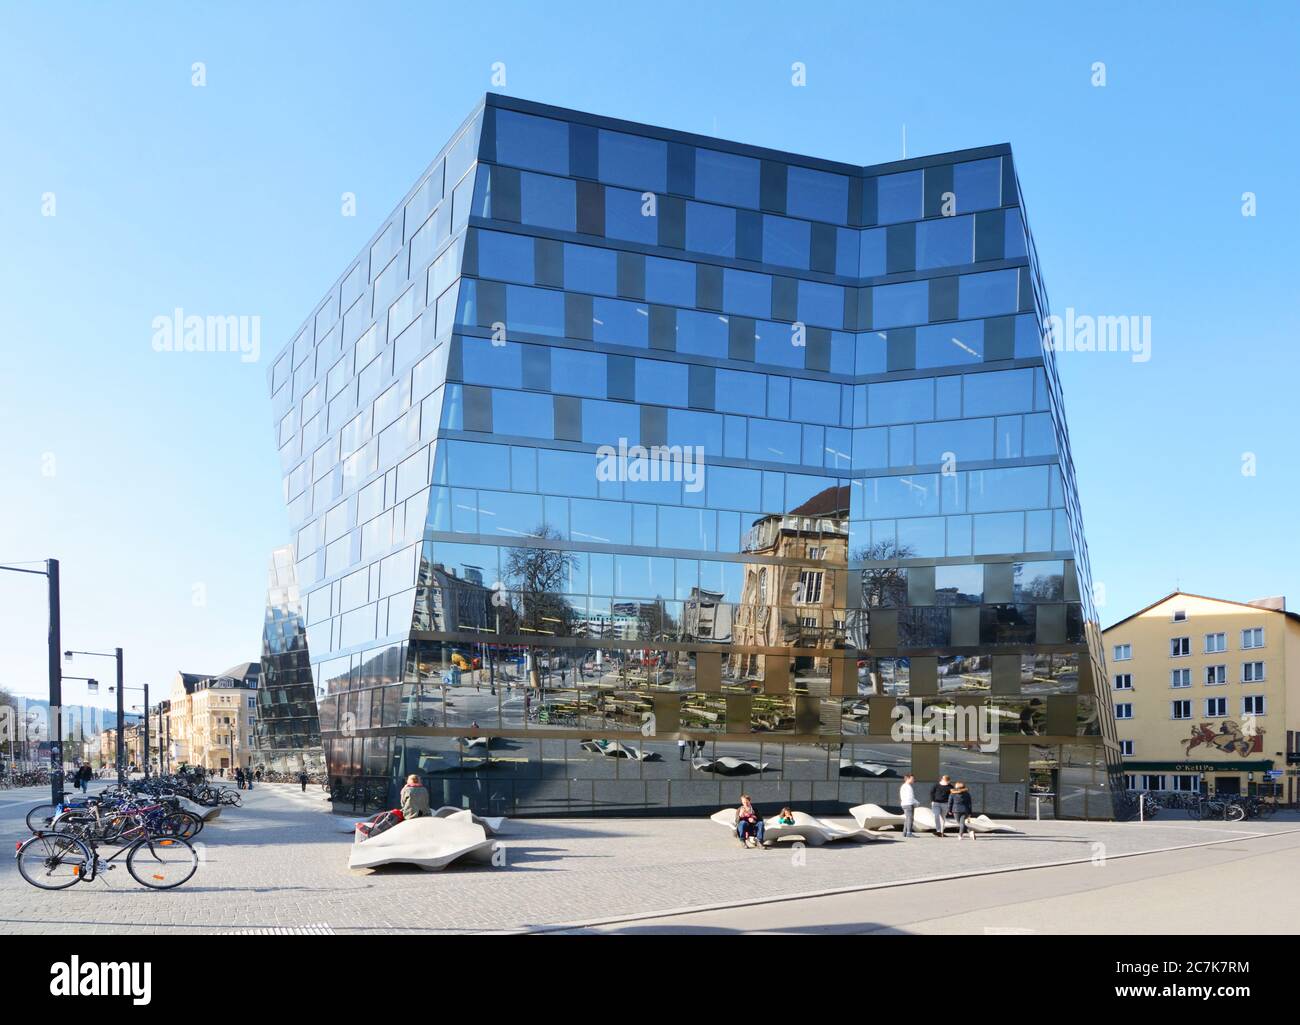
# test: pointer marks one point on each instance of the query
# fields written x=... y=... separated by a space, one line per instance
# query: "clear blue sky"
x=226 y=200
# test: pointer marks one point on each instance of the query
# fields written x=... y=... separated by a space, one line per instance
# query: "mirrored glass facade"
x=628 y=469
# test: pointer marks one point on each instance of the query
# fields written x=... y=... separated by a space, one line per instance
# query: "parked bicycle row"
x=1227 y=808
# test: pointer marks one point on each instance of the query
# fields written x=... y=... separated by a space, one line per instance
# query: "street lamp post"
x=121 y=715
x=51 y=574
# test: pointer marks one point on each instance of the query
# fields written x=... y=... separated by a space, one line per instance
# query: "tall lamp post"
x=51 y=574
x=116 y=655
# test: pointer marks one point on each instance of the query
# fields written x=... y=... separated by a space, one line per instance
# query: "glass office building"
x=629 y=469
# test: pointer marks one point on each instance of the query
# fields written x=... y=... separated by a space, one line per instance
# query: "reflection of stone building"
x=707 y=616
x=789 y=603
x=445 y=601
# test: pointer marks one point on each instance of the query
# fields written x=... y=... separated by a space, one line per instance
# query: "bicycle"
x=55 y=861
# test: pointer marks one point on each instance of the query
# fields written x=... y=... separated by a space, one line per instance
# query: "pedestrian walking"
x=959 y=804
x=248 y=778
x=939 y=794
x=239 y=779
x=302 y=778
x=907 y=798
x=681 y=750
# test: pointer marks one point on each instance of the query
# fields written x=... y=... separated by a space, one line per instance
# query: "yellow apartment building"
x=211 y=719
x=1206 y=694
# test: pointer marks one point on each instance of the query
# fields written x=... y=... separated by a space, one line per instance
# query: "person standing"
x=302 y=778
x=939 y=794
x=239 y=779
x=959 y=804
x=248 y=777
x=907 y=798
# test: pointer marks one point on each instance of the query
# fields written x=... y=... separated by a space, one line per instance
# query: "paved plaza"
x=279 y=863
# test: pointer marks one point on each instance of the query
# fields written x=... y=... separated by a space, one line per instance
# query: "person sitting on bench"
x=749 y=823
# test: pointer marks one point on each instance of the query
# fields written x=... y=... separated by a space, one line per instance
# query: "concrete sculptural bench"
x=206 y=814
x=811 y=830
x=729 y=766
x=873 y=816
x=430 y=842
x=491 y=823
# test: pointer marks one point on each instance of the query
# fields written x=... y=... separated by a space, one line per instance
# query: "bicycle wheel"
x=53 y=861
x=162 y=862
x=1235 y=813
x=41 y=816
x=181 y=823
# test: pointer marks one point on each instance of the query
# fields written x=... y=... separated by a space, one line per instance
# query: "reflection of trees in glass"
x=536 y=577
x=884 y=586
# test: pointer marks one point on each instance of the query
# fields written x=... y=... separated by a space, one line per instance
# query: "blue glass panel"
x=815 y=401
x=688 y=427
x=703 y=334
x=625 y=218
x=633 y=160
x=1015 y=234
x=534 y=142
x=485 y=363
x=923 y=538
x=738 y=391
x=1040 y=437
x=591 y=270
x=786 y=242
x=1028 y=341
x=535 y=310
x=898 y=197
x=726 y=178
x=965 y=439
x=525 y=413
x=548 y=202
x=847 y=241
x=870 y=449
x=669 y=282
x=901 y=304
x=945 y=345
x=746 y=293
x=602 y=522
x=998 y=533
x=661 y=382
x=945 y=242
x=734 y=488
x=1008 y=487
x=897 y=402
x=872 y=252
x=776 y=343
x=604 y=423
x=566 y=473
x=817 y=195
x=474 y=465
x=872 y=353
x=999 y=391
x=505 y=257
x=523 y=469
x=710 y=229
x=691 y=529
x=914 y=494
x=977 y=184
x=774 y=441
x=574 y=372
x=510 y=515
x=821 y=304
x=987 y=295
x=620 y=323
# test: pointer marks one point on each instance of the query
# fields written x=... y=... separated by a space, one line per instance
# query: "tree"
x=536 y=576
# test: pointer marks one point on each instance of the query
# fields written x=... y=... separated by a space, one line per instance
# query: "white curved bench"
x=811 y=830
x=491 y=824
x=872 y=816
x=429 y=842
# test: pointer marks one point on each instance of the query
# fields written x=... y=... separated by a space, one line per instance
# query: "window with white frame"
x=1130 y=781
x=1152 y=781
x=1216 y=708
x=1123 y=681
x=1123 y=652
x=1126 y=748
x=1180 y=678
x=817 y=552
x=1253 y=638
x=1216 y=642
x=1180 y=709
x=1252 y=672
x=1180 y=646
x=1180 y=615
x=1184 y=782
x=810 y=587
x=1215 y=675
x=1252 y=704
x=1124 y=710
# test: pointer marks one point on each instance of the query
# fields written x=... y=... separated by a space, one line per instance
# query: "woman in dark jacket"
x=959 y=806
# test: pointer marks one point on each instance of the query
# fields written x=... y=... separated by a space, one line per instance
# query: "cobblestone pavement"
x=279 y=864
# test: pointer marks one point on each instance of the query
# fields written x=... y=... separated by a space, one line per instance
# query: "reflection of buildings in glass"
x=287 y=731
x=795 y=606
x=707 y=616
x=819 y=338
